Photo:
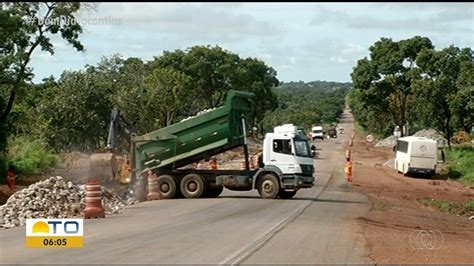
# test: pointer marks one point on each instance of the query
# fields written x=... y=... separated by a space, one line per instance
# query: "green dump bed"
x=196 y=138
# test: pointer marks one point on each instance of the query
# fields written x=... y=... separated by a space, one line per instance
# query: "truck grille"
x=307 y=169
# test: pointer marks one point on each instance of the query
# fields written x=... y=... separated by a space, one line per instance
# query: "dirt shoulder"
x=399 y=228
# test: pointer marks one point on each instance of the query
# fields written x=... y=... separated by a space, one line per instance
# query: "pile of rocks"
x=432 y=134
x=199 y=113
x=389 y=142
x=51 y=198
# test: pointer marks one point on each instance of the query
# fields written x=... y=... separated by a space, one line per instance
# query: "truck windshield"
x=301 y=148
x=317 y=131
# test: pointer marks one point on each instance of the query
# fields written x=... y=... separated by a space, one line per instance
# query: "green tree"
x=23 y=31
x=444 y=89
x=174 y=91
x=386 y=79
x=73 y=114
x=214 y=71
x=255 y=76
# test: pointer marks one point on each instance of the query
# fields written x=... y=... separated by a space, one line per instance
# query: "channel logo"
x=55 y=233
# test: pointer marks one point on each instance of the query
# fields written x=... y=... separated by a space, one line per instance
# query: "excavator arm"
x=118 y=122
x=106 y=166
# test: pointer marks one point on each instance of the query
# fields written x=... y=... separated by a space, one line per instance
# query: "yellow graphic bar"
x=55 y=241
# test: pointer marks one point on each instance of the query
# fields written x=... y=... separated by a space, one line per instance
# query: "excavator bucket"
x=104 y=167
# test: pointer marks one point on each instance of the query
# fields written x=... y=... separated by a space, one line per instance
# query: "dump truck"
x=286 y=166
x=331 y=132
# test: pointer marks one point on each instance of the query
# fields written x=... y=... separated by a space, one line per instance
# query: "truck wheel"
x=192 y=186
x=287 y=194
x=268 y=187
x=214 y=192
x=166 y=186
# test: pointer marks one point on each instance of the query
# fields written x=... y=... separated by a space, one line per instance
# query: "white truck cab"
x=416 y=155
x=317 y=132
x=287 y=150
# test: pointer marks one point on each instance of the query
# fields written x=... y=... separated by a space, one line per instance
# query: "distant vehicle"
x=332 y=133
x=317 y=132
x=416 y=155
x=341 y=130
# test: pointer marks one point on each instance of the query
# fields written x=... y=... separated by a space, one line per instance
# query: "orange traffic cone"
x=348 y=155
x=348 y=170
x=93 y=207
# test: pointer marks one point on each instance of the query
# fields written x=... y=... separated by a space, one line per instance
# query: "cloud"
x=438 y=18
x=220 y=22
x=303 y=41
x=338 y=59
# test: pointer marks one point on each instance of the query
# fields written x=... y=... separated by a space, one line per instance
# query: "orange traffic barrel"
x=153 y=189
x=93 y=207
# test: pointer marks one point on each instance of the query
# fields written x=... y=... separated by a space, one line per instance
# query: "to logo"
x=54 y=232
x=426 y=239
x=54 y=227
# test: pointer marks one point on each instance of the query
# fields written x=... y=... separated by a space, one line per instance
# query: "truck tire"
x=214 y=192
x=287 y=194
x=167 y=186
x=192 y=186
x=268 y=186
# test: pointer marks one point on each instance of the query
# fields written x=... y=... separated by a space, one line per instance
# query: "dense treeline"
x=73 y=111
x=307 y=104
x=410 y=83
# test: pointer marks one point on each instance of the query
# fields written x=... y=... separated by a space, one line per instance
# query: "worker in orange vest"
x=213 y=163
x=348 y=169
x=11 y=179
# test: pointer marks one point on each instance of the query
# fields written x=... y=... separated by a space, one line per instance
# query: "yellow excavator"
x=108 y=166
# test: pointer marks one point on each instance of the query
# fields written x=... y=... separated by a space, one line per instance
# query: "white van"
x=317 y=132
x=416 y=155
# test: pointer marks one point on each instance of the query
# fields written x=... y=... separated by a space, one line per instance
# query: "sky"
x=301 y=41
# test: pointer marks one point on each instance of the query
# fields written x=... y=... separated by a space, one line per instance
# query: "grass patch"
x=360 y=130
x=30 y=156
x=462 y=209
x=461 y=164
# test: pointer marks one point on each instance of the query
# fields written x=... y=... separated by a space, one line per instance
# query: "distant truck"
x=332 y=132
x=286 y=164
x=416 y=155
x=317 y=132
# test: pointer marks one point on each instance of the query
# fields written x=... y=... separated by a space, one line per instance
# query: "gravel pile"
x=51 y=198
x=432 y=134
x=199 y=113
x=389 y=142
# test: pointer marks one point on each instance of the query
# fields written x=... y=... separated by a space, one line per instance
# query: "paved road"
x=237 y=227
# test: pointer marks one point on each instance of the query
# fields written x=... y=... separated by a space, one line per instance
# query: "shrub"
x=30 y=156
x=461 y=166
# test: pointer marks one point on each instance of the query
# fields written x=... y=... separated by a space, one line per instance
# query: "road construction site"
x=332 y=222
x=238 y=226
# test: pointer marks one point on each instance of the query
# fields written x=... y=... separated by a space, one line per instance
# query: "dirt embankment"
x=400 y=228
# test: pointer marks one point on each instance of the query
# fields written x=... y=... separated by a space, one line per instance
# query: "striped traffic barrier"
x=94 y=208
x=153 y=190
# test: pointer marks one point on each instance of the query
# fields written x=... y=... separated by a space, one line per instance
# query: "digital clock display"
x=55 y=242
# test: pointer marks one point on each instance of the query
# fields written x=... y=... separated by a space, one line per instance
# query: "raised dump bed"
x=198 y=137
